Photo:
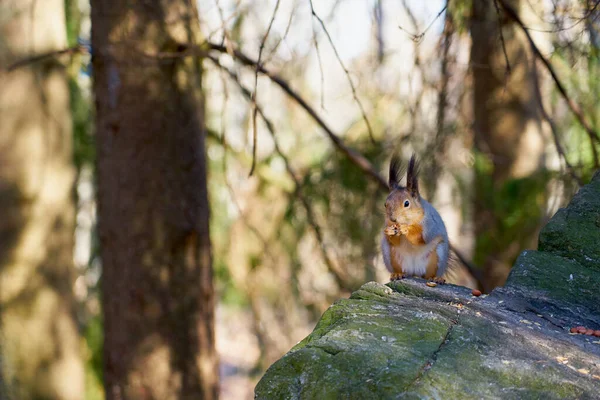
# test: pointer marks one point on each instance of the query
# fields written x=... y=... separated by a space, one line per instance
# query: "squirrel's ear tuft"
x=412 y=177
x=396 y=172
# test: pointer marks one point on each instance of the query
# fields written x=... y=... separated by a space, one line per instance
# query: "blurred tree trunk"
x=153 y=210
x=508 y=134
x=39 y=339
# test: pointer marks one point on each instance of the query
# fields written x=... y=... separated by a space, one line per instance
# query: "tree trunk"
x=509 y=138
x=153 y=210
x=39 y=339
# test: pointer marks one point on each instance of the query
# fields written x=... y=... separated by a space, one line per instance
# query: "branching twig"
x=358 y=102
x=417 y=37
x=258 y=65
x=284 y=36
x=594 y=136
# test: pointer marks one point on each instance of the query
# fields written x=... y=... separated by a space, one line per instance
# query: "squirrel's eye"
x=406 y=203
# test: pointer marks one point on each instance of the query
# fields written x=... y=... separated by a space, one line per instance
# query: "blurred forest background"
x=279 y=117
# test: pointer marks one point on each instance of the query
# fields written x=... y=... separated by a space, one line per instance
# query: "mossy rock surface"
x=406 y=340
x=574 y=231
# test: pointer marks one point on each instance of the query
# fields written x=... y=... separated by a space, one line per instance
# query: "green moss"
x=485 y=362
x=379 y=338
x=409 y=290
x=557 y=278
x=574 y=232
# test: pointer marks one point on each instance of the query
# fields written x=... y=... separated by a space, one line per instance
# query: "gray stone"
x=407 y=340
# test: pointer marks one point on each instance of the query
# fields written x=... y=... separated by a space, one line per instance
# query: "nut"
x=573 y=330
x=476 y=292
x=597 y=333
x=581 y=329
x=589 y=332
x=431 y=284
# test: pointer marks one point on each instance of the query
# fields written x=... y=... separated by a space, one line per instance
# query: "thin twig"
x=594 y=136
x=497 y=7
x=254 y=111
x=44 y=56
x=284 y=36
x=223 y=26
x=417 y=37
x=316 y=43
x=378 y=11
x=337 y=55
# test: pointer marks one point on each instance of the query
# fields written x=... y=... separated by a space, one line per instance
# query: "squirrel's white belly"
x=413 y=259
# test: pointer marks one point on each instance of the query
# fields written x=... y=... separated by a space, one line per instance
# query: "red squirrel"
x=414 y=241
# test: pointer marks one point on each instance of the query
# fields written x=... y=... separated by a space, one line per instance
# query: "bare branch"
x=44 y=56
x=575 y=109
x=254 y=110
x=337 y=55
x=358 y=159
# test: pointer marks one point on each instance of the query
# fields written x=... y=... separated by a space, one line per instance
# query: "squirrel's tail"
x=459 y=274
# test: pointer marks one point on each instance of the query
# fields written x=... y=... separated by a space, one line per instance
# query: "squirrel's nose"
x=393 y=219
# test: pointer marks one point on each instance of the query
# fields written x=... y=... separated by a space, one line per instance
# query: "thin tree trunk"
x=509 y=139
x=39 y=339
x=152 y=203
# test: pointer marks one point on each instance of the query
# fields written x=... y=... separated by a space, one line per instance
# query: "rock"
x=407 y=340
x=574 y=232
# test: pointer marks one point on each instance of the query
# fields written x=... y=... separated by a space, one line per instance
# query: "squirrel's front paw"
x=404 y=229
x=391 y=230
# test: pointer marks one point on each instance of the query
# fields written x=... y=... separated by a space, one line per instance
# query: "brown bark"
x=508 y=132
x=39 y=340
x=152 y=203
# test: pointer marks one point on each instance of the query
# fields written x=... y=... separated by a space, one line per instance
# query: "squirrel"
x=414 y=241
